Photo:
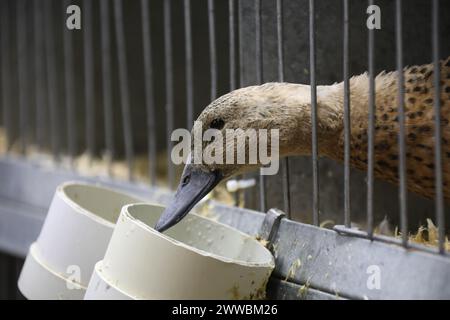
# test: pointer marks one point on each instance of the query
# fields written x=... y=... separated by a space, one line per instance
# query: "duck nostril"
x=186 y=180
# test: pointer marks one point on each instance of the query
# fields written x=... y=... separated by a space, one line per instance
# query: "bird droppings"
x=259 y=293
x=263 y=242
x=235 y=292
x=303 y=290
x=293 y=269
x=327 y=224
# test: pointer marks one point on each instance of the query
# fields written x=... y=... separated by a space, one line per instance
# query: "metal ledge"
x=331 y=264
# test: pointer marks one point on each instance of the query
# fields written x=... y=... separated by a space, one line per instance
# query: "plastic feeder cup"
x=197 y=259
x=74 y=237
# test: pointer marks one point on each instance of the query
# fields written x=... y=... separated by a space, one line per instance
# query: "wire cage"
x=99 y=103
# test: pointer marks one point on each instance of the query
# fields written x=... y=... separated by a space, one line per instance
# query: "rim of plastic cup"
x=268 y=264
x=79 y=208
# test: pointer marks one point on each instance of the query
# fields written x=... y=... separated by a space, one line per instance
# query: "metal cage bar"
x=401 y=122
x=232 y=44
x=314 y=151
x=69 y=86
x=89 y=83
x=149 y=91
x=285 y=161
x=124 y=89
x=21 y=35
x=259 y=80
x=52 y=82
x=39 y=73
x=169 y=87
x=240 y=42
x=232 y=56
x=212 y=49
x=6 y=71
x=189 y=65
x=105 y=31
x=240 y=75
x=439 y=198
x=347 y=124
x=370 y=132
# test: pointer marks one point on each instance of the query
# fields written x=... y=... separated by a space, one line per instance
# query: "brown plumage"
x=419 y=121
x=287 y=107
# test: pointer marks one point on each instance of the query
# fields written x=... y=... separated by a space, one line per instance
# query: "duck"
x=287 y=107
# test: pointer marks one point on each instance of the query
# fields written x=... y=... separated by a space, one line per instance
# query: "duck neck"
x=330 y=118
x=333 y=97
x=330 y=101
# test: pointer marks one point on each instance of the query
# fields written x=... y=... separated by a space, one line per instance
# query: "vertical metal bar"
x=440 y=218
x=6 y=73
x=52 y=81
x=280 y=49
x=259 y=80
x=149 y=93
x=169 y=88
x=314 y=150
x=232 y=45
x=241 y=42
x=39 y=72
x=107 y=82
x=285 y=162
x=232 y=53
x=189 y=65
x=371 y=132
x=401 y=122
x=21 y=34
x=88 y=46
x=123 y=83
x=258 y=43
x=212 y=49
x=69 y=72
x=347 y=124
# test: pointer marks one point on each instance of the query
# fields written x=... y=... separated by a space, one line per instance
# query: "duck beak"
x=194 y=185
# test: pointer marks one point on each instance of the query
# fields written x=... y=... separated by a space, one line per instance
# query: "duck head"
x=281 y=106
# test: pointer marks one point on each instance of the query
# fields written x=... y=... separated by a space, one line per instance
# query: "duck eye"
x=217 y=124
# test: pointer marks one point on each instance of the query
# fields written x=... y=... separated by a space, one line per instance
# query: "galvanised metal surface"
x=332 y=265
x=339 y=264
x=281 y=289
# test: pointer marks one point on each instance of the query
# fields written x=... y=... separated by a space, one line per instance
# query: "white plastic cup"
x=196 y=259
x=74 y=237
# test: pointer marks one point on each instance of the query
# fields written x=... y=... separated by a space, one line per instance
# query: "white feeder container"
x=74 y=237
x=196 y=259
